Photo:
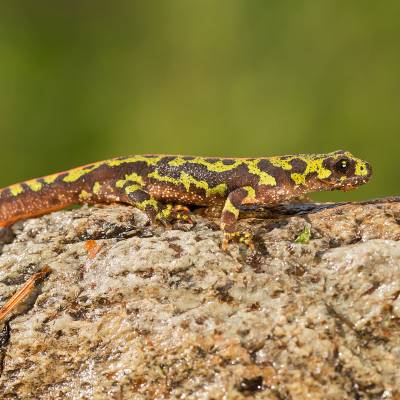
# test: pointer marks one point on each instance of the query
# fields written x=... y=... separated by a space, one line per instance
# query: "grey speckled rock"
x=138 y=312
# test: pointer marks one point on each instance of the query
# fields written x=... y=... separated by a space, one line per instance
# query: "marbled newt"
x=163 y=185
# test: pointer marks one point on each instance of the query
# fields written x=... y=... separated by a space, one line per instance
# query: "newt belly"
x=161 y=185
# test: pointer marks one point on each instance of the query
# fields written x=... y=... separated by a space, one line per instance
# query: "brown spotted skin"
x=157 y=183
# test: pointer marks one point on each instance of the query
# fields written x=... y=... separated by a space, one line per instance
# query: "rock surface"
x=132 y=311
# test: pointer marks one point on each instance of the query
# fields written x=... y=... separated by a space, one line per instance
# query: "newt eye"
x=342 y=166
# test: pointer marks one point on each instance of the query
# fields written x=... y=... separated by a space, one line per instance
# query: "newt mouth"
x=349 y=184
x=355 y=182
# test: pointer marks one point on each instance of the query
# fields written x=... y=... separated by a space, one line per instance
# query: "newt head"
x=338 y=170
x=341 y=170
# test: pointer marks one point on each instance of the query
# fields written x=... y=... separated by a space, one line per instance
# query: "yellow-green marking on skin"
x=361 y=169
x=132 y=178
x=299 y=179
x=150 y=202
x=120 y=183
x=16 y=189
x=313 y=165
x=316 y=166
x=231 y=208
x=34 y=185
x=251 y=193
x=50 y=178
x=165 y=212
x=265 y=178
x=84 y=195
x=132 y=188
x=96 y=188
x=186 y=180
x=161 y=178
x=217 y=166
x=74 y=174
x=127 y=160
x=281 y=163
x=178 y=161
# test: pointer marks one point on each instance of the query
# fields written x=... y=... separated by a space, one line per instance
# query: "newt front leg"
x=230 y=214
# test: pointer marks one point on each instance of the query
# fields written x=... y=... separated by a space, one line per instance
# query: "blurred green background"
x=81 y=81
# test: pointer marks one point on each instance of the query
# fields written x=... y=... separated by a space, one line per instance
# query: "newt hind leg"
x=136 y=195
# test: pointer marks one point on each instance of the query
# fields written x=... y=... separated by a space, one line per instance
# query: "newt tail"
x=32 y=204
